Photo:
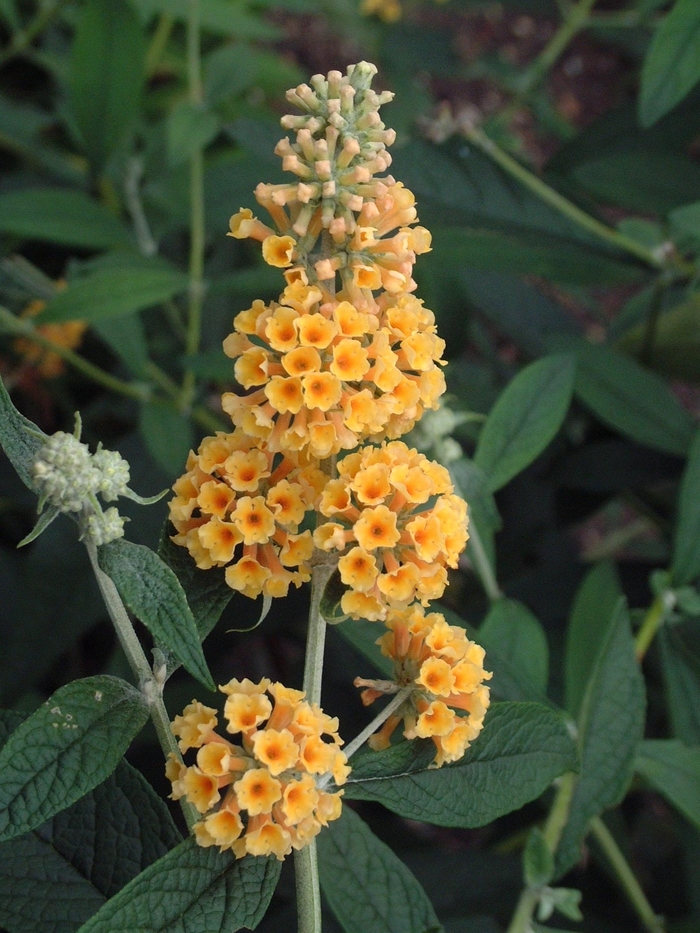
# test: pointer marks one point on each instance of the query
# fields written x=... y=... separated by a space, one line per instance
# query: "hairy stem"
x=378 y=720
x=625 y=876
x=138 y=662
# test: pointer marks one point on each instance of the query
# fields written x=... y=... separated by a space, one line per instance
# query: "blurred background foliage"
x=552 y=147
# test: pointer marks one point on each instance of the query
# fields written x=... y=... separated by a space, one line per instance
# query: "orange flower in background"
x=259 y=797
x=446 y=669
x=394 y=536
x=67 y=334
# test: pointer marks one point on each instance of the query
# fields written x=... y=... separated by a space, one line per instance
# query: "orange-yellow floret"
x=266 y=795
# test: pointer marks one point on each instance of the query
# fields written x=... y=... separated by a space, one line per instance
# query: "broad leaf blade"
x=369 y=889
x=168 y=436
x=68 y=746
x=672 y=64
x=525 y=418
x=194 y=889
x=681 y=671
x=611 y=724
x=522 y=749
x=674 y=770
x=58 y=215
x=153 y=593
x=517 y=639
x=685 y=566
x=20 y=438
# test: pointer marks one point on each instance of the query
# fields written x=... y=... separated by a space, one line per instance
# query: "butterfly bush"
x=346 y=356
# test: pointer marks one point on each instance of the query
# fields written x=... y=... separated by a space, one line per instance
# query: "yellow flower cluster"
x=394 y=543
x=447 y=670
x=236 y=508
x=259 y=797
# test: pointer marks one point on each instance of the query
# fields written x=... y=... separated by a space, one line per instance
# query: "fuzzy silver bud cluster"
x=115 y=476
x=106 y=526
x=65 y=474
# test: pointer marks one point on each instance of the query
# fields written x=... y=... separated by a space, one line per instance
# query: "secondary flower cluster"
x=236 y=508
x=447 y=672
x=394 y=544
x=259 y=797
x=67 y=334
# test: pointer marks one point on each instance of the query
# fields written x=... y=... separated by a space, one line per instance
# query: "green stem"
x=625 y=876
x=542 y=190
x=24 y=328
x=23 y=39
x=575 y=20
x=158 y=44
x=148 y=684
x=197 y=224
x=553 y=828
x=482 y=564
x=652 y=622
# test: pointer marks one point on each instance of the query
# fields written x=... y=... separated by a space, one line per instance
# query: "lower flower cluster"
x=447 y=673
x=259 y=797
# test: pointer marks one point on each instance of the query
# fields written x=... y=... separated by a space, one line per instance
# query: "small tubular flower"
x=240 y=506
x=394 y=544
x=446 y=670
x=266 y=795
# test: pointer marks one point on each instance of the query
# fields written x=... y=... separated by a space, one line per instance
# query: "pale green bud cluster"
x=105 y=526
x=114 y=471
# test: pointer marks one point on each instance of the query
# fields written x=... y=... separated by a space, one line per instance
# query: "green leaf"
x=125 y=336
x=527 y=415
x=45 y=518
x=20 y=438
x=191 y=889
x=207 y=592
x=168 y=436
x=595 y=603
x=106 y=76
x=54 y=878
x=363 y=636
x=685 y=566
x=674 y=770
x=686 y=220
x=538 y=859
x=8 y=11
x=632 y=400
x=112 y=292
x=67 y=747
x=59 y=215
x=229 y=70
x=218 y=16
x=153 y=593
x=369 y=889
x=610 y=728
x=330 y=600
x=676 y=347
x=522 y=749
x=672 y=65
x=517 y=639
x=681 y=671
x=189 y=129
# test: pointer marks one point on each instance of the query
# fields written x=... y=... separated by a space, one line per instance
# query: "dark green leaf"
x=189 y=129
x=672 y=64
x=168 y=436
x=207 y=592
x=632 y=400
x=363 y=636
x=330 y=601
x=516 y=637
x=229 y=70
x=125 y=336
x=538 y=859
x=610 y=728
x=112 y=292
x=8 y=11
x=592 y=611
x=675 y=351
x=522 y=749
x=59 y=215
x=67 y=747
x=686 y=220
x=369 y=889
x=153 y=593
x=525 y=418
x=106 y=76
x=191 y=889
x=674 y=770
x=18 y=438
x=217 y=16
x=681 y=670
x=685 y=566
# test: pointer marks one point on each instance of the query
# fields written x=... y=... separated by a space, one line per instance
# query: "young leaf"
x=685 y=566
x=515 y=636
x=522 y=749
x=20 y=438
x=168 y=436
x=610 y=728
x=206 y=591
x=593 y=608
x=67 y=747
x=59 y=215
x=188 y=129
x=538 y=859
x=194 y=889
x=672 y=65
x=369 y=889
x=527 y=415
x=106 y=76
x=632 y=400
x=109 y=292
x=674 y=770
x=681 y=671
x=153 y=593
